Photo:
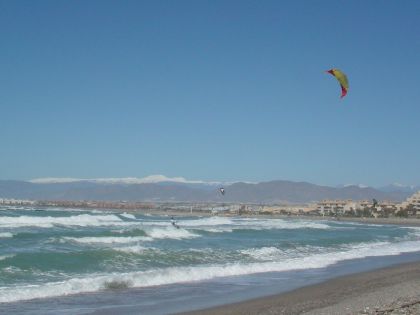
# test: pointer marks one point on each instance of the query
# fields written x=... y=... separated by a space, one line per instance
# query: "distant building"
x=412 y=202
x=350 y=207
x=284 y=209
x=328 y=207
x=16 y=202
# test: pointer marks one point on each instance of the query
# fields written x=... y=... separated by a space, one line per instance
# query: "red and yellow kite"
x=342 y=79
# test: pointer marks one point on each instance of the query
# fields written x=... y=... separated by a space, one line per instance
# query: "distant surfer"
x=173 y=222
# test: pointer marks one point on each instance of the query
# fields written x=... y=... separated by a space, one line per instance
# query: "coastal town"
x=409 y=208
x=210 y=157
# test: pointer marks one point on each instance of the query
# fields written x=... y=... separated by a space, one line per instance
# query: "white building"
x=326 y=207
x=413 y=201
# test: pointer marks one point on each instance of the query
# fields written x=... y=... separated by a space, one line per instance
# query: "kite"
x=342 y=79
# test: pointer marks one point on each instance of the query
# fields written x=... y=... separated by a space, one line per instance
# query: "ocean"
x=74 y=261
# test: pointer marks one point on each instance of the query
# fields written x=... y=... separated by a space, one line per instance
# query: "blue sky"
x=210 y=90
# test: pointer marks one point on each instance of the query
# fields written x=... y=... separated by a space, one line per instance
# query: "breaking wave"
x=135 y=249
x=108 y=239
x=48 y=222
x=173 y=275
x=3 y=257
x=128 y=216
x=6 y=235
x=170 y=232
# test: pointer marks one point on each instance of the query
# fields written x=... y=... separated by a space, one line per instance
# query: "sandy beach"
x=393 y=290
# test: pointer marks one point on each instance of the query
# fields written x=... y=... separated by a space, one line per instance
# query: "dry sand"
x=393 y=290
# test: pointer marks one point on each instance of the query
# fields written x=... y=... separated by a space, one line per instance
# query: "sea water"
x=94 y=260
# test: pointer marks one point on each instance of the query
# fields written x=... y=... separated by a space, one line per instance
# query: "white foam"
x=3 y=257
x=260 y=224
x=264 y=253
x=108 y=239
x=96 y=211
x=170 y=232
x=48 y=222
x=191 y=223
x=414 y=229
x=135 y=249
x=199 y=273
x=218 y=230
x=209 y=221
x=247 y=223
x=225 y=224
x=6 y=235
x=360 y=224
x=128 y=215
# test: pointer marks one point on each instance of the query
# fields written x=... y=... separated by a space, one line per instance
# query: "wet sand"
x=392 y=290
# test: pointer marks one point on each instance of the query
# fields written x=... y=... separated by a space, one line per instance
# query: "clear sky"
x=210 y=90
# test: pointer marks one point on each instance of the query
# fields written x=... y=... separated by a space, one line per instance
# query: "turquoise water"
x=54 y=253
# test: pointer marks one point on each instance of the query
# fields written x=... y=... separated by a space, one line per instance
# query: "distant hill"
x=287 y=191
x=398 y=187
x=278 y=191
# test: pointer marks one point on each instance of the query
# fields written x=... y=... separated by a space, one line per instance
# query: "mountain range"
x=181 y=190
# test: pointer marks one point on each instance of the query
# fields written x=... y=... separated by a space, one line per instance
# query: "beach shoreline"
x=339 y=285
x=380 y=291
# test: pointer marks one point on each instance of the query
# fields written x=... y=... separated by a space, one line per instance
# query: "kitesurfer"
x=173 y=222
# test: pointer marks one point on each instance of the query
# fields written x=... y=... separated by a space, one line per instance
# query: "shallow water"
x=55 y=253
